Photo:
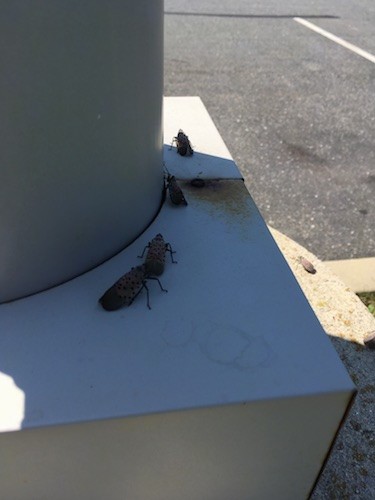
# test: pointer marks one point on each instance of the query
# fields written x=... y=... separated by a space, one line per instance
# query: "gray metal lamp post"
x=81 y=135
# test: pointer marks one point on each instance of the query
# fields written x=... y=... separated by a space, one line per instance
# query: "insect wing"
x=190 y=150
x=185 y=141
x=124 y=291
x=307 y=265
x=175 y=192
x=155 y=258
x=183 y=144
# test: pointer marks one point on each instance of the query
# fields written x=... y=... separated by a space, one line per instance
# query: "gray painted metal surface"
x=233 y=342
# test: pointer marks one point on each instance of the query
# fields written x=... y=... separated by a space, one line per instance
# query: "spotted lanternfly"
x=307 y=265
x=155 y=257
x=183 y=144
x=175 y=192
x=126 y=289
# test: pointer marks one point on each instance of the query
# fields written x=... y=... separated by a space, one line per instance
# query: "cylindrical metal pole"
x=81 y=85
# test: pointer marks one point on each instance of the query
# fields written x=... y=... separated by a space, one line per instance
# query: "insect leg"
x=148 y=297
x=168 y=248
x=147 y=246
x=157 y=279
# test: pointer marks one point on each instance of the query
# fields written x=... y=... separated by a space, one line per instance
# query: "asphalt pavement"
x=296 y=110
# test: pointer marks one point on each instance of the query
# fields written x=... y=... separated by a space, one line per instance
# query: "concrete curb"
x=358 y=274
x=339 y=310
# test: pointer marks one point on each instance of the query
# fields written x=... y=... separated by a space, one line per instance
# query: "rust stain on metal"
x=229 y=196
x=198 y=182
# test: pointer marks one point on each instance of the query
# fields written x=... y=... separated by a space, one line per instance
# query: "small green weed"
x=368 y=298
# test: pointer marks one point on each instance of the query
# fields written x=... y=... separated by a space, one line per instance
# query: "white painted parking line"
x=336 y=39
